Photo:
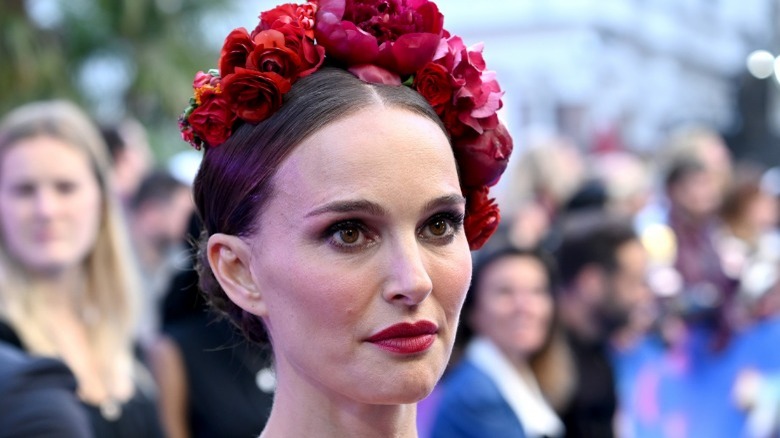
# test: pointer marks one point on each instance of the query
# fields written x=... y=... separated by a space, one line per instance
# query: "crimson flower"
x=435 y=84
x=483 y=158
x=235 y=51
x=254 y=95
x=482 y=217
x=477 y=97
x=212 y=121
x=400 y=36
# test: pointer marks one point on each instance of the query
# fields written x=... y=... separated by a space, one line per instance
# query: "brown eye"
x=438 y=227
x=349 y=235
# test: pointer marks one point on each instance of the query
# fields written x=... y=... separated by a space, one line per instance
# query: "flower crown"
x=397 y=42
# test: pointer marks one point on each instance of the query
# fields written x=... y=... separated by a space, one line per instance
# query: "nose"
x=45 y=203
x=408 y=281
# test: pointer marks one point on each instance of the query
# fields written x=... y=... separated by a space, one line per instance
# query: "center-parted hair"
x=236 y=179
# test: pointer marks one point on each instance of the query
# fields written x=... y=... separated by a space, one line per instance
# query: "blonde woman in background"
x=67 y=281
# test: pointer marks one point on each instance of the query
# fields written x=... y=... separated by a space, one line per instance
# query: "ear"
x=230 y=257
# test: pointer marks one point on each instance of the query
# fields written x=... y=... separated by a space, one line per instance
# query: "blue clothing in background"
x=472 y=406
x=688 y=390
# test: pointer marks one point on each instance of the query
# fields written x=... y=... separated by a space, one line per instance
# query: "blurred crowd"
x=656 y=315
x=624 y=295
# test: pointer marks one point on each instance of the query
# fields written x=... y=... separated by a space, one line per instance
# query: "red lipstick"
x=406 y=338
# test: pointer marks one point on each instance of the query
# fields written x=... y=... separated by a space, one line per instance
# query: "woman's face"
x=513 y=306
x=50 y=204
x=363 y=234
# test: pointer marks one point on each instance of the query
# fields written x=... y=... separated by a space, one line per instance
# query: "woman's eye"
x=439 y=227
x=66 y=187
x=442 y=226
x=349 y=236
x=22 y=190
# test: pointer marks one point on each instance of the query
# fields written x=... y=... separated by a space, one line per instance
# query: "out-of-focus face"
x=761 y=212
x=513 y=306
x=163 y=223
x=363 y=234
x=50 y=204
x=628 y=293
x=697 y=193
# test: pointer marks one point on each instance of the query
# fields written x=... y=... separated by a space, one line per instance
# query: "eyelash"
x=453 y=219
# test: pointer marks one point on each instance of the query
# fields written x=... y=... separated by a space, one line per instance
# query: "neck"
x=61 y=289
x=519 y=361
x=302 y=408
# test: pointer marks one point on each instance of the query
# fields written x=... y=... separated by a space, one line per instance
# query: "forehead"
x=378 y=153
x=42 y=156
x=517 y=268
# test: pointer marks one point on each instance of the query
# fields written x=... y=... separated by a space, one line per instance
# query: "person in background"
x=158 y=215
x=516 y=370
x=693 y=142
x=212 y=382
x=707 y=293
x=67 y=278
x=38 y=398
x=603 y=271
x=627 y=180
x=130 y=154
x=543 y=180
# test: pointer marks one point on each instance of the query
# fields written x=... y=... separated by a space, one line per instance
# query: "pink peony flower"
x=398 y=35
x=483 y=158
x=477 y=97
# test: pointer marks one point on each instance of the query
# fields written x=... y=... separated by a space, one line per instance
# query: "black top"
x=229 y=380
x=138 y=418
x=224 y=397
x=591 y=411
x=37 y=397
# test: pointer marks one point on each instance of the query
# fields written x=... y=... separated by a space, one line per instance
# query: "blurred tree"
x=116 y=57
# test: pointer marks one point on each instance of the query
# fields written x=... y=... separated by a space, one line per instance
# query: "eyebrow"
x=374 y=209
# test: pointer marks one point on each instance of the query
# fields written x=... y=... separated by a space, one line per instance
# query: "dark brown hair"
x=235 y=179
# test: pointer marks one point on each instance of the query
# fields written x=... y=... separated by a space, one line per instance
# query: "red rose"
x=212 y=121
x=254 y=95
x=271 y=55
x=289 y=35
x=483 y=158
x=238 y=45
x=482 y=217
x=400 y=36
x=434 y=84
x=311 y=55
x=285 y=13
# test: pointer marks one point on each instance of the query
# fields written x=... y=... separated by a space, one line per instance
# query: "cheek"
x=88 y=208
x=451 y=282
x=308 y=296
x=14 y=221
x=546 y=309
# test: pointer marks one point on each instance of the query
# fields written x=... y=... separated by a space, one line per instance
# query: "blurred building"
x=602 y=70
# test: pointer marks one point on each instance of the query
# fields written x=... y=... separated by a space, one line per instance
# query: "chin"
x=51 y=265
x=398 y=389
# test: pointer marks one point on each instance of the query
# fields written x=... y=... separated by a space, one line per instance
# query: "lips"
x=406 y=338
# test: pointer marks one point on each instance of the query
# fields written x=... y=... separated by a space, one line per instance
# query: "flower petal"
x=375 y=75
x=409 y=52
